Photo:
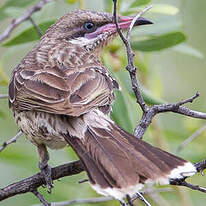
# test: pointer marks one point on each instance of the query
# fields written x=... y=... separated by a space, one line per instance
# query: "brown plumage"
x=61 y=94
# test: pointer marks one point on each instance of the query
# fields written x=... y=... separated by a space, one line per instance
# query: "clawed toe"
x=46 y=172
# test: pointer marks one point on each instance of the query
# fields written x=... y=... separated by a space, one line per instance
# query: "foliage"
x=167 y=34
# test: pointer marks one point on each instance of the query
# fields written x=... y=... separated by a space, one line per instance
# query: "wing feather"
x=53 y=90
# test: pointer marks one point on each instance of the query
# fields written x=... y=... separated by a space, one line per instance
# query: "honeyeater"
x=61 y=94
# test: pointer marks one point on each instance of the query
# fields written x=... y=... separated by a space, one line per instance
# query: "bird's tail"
x=118 y=163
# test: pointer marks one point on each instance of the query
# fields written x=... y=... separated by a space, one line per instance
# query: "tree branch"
x=30 y=184
x=147 y=117
x=26 y=16
x=12 y=140
x=39 y=31
x=149 y=112
x=191 y=186
x=130 y=55
x=41 y=198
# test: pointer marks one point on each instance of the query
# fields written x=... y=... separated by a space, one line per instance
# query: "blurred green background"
x=171 y=59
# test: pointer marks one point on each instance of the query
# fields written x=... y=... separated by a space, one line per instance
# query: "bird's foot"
x=46 y=172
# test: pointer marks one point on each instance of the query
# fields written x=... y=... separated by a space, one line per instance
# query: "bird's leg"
x=140 y=196
x=129 y=200
x=44 y=167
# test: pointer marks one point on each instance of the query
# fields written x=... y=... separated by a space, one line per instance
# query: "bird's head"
x=89 y=29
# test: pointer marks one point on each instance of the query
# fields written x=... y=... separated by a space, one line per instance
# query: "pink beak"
x=124 y=23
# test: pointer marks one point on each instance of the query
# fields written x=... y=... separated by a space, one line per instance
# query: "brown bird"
x=61 y=94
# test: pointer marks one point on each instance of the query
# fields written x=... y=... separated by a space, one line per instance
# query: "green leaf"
x=149 y=98
x=29 y=34
x=159 y=42
x=125 y=110
x=162 y=25
x=137 y=3
x=13 y=3
x=120 y=113
x=108 y=5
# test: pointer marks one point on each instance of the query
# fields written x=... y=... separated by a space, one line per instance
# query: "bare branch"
x=26 y=16
x=12 y=140
x=39 y=31
x=3 y=96
x=40 y=197
x=30 y=184
x=190 y=138
x=150 y=112
x=130 y=67
x=135 y=19
x=170 y=107
x=190 y=113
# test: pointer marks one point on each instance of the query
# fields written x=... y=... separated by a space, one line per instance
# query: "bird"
x=61 y=95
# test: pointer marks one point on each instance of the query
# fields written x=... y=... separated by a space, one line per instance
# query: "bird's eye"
x=89 y=26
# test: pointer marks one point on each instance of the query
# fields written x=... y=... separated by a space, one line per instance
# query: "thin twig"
x=130 y=55
x=162 y=108
x=150 y=112
x=190 y=138
x=12 y=140
x=189 y=100
x=40 y=197
x=39 y=31
x=26 y=16
x=3 y=96
x=103 y=199
x=135 y=19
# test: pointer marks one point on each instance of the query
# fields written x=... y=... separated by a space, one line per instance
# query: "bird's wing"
x=60 y=91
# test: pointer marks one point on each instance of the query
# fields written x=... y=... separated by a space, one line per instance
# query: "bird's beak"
x=124 y=23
